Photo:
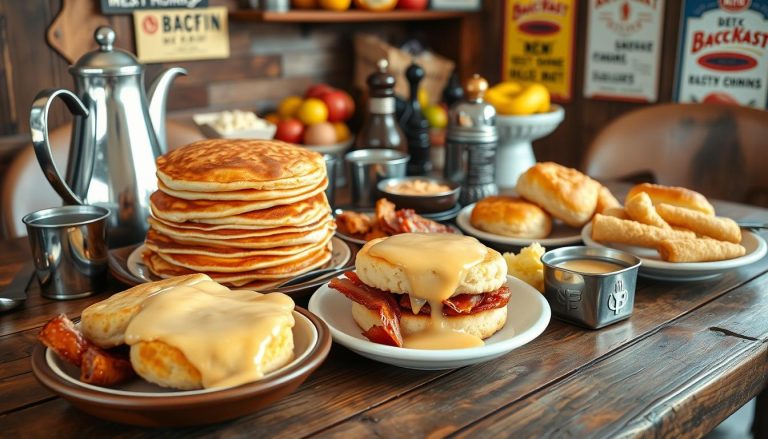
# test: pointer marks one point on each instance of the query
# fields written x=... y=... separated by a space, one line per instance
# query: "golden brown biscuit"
x=565 y=193
x=511 y=216
x=606 y=200
x=676 y=196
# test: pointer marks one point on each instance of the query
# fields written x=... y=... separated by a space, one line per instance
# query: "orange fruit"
x=336 y=5
x=272 y=118
x=376 y=5
x=304 y=4
x=288 y=106
x=342 y=131
x=312 y=111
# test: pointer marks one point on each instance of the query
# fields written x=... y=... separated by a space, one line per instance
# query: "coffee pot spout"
x=158 y=96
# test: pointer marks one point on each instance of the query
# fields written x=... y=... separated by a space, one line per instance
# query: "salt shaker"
x=471 y=142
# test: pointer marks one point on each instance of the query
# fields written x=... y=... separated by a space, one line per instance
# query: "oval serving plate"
x=141 y=403
x=528 y=316
x=653 y=267
x=561 y=234
x=130 y=268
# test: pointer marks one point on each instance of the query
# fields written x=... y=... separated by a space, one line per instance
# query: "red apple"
x=413 y=5
x=339 y=107
x=317 y=91
x=290 y=130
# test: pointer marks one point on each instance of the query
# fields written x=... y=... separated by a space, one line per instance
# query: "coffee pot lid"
x=107 y=60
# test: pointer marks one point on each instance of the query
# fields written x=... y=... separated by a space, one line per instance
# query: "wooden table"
x=690 y=355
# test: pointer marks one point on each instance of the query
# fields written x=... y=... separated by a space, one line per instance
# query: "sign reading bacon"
x=538 y=44
x=723 y=54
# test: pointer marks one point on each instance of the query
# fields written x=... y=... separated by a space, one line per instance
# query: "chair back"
x=26 y=190
x=718 y=150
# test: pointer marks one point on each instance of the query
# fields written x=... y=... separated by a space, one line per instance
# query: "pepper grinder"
x=415 y=125
x=471 y=142
x=380 y=129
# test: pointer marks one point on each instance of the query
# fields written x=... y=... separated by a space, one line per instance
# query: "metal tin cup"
x=69 y=248
x=586 y=299
x=369 y=166
x=330 y=170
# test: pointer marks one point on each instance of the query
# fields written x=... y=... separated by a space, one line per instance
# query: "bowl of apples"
x=316 y=120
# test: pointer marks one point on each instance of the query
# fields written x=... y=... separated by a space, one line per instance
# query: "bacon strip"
x=376 y=300
x=465 y=304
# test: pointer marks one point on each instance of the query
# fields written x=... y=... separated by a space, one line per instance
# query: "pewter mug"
x=116 y=137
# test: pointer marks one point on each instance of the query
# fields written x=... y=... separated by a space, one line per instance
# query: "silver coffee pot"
x=116 y=137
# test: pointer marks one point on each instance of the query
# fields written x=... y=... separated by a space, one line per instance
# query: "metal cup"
x=330 y=170
x=592 y=300
x=69 y=247
x=368 y=166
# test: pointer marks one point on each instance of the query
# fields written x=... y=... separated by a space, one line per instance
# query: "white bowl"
x=205 y=121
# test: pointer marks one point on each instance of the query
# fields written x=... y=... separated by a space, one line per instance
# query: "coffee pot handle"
x=38 y=125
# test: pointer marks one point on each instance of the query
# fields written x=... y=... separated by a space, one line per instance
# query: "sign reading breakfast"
x=109 y=7
x=538 y=44
x=181 y=34
x=723 y=55
x=623 y=49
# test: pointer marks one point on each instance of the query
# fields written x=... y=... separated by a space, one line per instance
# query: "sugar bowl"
x=589 y=286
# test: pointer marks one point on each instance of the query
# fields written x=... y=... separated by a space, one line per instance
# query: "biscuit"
x=511 y=216
x=565 y=193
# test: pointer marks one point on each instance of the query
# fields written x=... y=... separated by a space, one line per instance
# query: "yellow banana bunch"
x=512 y=98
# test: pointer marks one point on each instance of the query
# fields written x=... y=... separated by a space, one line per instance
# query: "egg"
x=320 y=134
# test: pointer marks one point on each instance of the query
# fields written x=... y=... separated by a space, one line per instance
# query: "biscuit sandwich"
x=427 y=290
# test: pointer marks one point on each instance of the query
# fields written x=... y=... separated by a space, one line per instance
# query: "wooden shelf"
x=351 y=16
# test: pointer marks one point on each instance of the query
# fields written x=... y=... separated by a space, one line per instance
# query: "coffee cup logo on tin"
x=569 y=298
x=618 y=298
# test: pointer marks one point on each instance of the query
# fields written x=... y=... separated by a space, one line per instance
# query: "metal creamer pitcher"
x=116 y=137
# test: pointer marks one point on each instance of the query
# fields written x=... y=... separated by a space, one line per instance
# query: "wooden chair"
x=718 y=150
x=26 y=190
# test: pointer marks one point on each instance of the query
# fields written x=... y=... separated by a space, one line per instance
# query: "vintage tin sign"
x=538 y=44
x=723 y=55
x=623 y=49
x=181 y=34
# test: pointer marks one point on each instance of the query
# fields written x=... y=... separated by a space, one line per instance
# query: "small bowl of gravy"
x=422 y=194
x=588 y=286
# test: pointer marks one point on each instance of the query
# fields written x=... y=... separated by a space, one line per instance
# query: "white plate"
x=528 y=316
x=340 y=255
x=654 y=268
x=561 y=234
x=305 y=338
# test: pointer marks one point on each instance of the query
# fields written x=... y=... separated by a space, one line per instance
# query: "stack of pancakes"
x=246 y=212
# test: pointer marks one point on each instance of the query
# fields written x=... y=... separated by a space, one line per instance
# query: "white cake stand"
x=515 y=153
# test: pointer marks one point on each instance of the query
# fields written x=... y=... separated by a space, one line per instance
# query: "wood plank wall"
x=270 y=61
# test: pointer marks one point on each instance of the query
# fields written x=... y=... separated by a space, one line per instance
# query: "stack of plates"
x=246 y=212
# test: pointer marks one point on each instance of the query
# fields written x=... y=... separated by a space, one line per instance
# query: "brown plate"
x=141 y=403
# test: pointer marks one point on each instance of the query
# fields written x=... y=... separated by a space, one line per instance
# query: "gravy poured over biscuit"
x=434 y=264
x=226 y=335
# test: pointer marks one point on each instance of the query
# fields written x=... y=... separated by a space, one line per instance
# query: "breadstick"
x=606 y=200
x=639 y=207
x=698 y=250
x=610 y=229
x=718 y=227
x=617 y=212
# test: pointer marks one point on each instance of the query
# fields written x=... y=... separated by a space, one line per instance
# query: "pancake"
x=216 y=165
x=179 y=210
x=301 y=213
x=206 y=264
x=242 y=194
x=254 y=279
x=160 y=243
x=245 y=238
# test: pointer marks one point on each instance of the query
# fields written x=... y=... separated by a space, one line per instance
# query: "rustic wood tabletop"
x=691 y=354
